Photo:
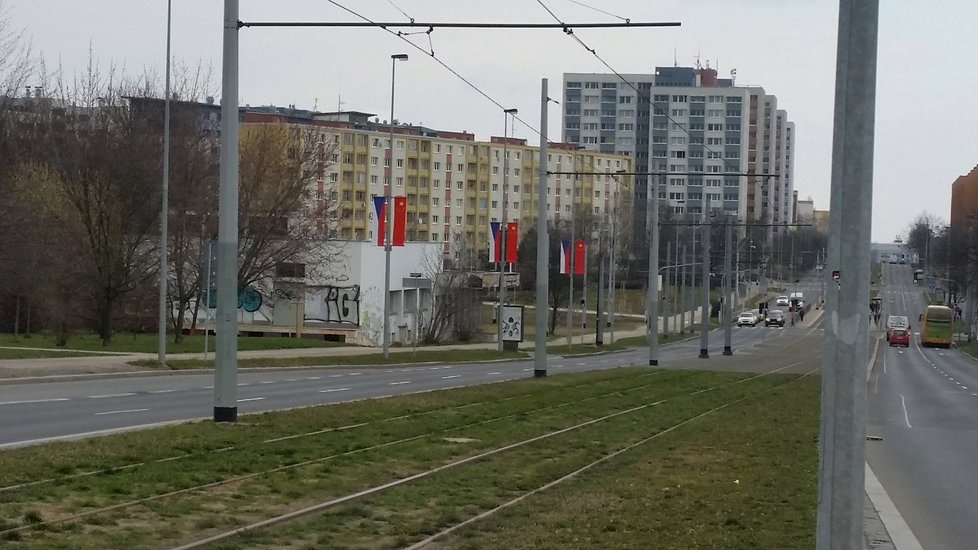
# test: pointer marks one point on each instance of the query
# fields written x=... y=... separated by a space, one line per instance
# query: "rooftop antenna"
x=315 y=103
x=675 y=60
x=733 y=76
x=698 y=66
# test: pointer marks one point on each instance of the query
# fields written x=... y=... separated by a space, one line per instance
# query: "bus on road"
x=936 y=326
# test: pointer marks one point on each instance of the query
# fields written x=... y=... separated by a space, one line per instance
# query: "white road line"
x=526 y=370
x=335 y=375
x=906 y=415
x=581 y=364
x=29 y=401
x=313 y=377
x=399 y=383
x=355 y=373
x=121 y=412
x=108 y=395
x=493 y=373
x=163 y=391
x=250 y=399
x=243 y=384
x=331 y=390
x=293 y=379
x=900 y=533
x=267 y=382
x=451 y=376
x=207 y=387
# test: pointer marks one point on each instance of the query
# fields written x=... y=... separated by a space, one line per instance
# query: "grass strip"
x=148 y=343
x=173 y=518
x=397 y=517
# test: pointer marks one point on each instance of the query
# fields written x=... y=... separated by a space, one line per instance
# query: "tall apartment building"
x=693 y=131
x=454 y=184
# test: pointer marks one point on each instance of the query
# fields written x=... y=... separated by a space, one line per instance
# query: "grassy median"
x=743 y=477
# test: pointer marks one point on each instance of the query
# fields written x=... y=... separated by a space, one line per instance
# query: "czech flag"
x=495 y=241
x=565 y=257
x=400 y=220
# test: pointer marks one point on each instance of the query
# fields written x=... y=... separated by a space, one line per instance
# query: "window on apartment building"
x=714 y=127
x=733 y=113
x=434 y=201
x=399 y=181
x=713 y=182
x=359 y=196
x=714 y=112
x=716 y=99
x=376 y=142
x=713 y=169
x=696 y=140
x=659 y=97
x=434 y=218
x=714 y=141
x=346 y=194
x=458 y=220
x=458 y=185
x=677 y=182
x=400 y=145
x=334 y=177
x=734 y=99
x=591 y=85
x=677 y=168
x=678 y=154
x=733 y=141
x=678 y=140
x=359 y=214
x=347 y=158
x=678 y=112
x=697 y=154
x=622 y=113
x=679 y=99
x=625 y=99
x=458 y=203
x=470 y=219
x=732 y=154
x=713 y=154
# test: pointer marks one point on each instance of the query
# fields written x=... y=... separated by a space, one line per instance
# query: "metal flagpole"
x=165 y=213
x=705 y=311
x=543 y=243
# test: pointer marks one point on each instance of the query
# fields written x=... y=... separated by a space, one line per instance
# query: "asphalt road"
x=52 y=410
x=923 y=402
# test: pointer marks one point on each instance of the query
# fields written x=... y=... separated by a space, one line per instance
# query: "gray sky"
x=926 y=118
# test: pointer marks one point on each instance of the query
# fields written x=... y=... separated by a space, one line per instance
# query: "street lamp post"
x=164 y=214
x=502 y=230
x=389 y=214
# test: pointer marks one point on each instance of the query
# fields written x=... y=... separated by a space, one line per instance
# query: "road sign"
x=512 y=317
x=931 y=283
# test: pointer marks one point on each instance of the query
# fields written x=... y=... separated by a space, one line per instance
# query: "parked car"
x=782 y=301
x=899 y=337
x=775 y=317
x=747 y=318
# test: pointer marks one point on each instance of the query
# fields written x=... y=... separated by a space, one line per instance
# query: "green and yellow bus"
x=936 y=326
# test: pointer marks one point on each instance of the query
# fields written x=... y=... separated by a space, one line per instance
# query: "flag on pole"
x=494 y=242
x=400 y=221
x=565 y=257
x=512 y=239
x=381 y=218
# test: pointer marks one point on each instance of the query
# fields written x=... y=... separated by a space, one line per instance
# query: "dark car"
x=900 y=337
x=775 y=317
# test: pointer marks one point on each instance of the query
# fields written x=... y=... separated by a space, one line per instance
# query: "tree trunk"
x=105 y=321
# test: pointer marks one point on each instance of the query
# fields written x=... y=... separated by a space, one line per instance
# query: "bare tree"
x=280 y=220
x=455 y=302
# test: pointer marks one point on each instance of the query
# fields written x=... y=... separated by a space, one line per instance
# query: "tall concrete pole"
x=502 y=230
x=727 y=296
x=705 y=311
x=226 y=325
x=652 y=299
x=543 y=243
x=389 y=215
x=667 y=302
x=598 y=311
x=682 y=291
x=165 y=209
x=843 y=419
x=573 y=250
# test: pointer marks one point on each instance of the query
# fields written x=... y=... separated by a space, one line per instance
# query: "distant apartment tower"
x=693 y=131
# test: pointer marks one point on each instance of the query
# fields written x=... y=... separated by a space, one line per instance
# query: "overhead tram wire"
x=625 y=19
x=431 y=53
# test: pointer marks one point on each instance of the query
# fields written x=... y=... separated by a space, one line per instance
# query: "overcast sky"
x=926 y=116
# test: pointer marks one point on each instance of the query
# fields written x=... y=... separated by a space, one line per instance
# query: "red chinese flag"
x=400 y=221
x=579 y=257
x=512 y=239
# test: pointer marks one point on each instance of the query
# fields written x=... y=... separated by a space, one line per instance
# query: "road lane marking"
x=108 y=395
x=331 y=390
x=355 y=373
x=493 y=373
x=120 y=412
x=163 y=391
x=243 y=384
x=293 y=379
x=29 y=401
x=451 y=376
x=313 y=377
x=526 y=370
x=399 y=383
x=267 y=382
x=906 y=415
x=250 y=399
x=335 y=375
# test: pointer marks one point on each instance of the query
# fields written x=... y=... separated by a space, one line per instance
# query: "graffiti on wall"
x=342 y=305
